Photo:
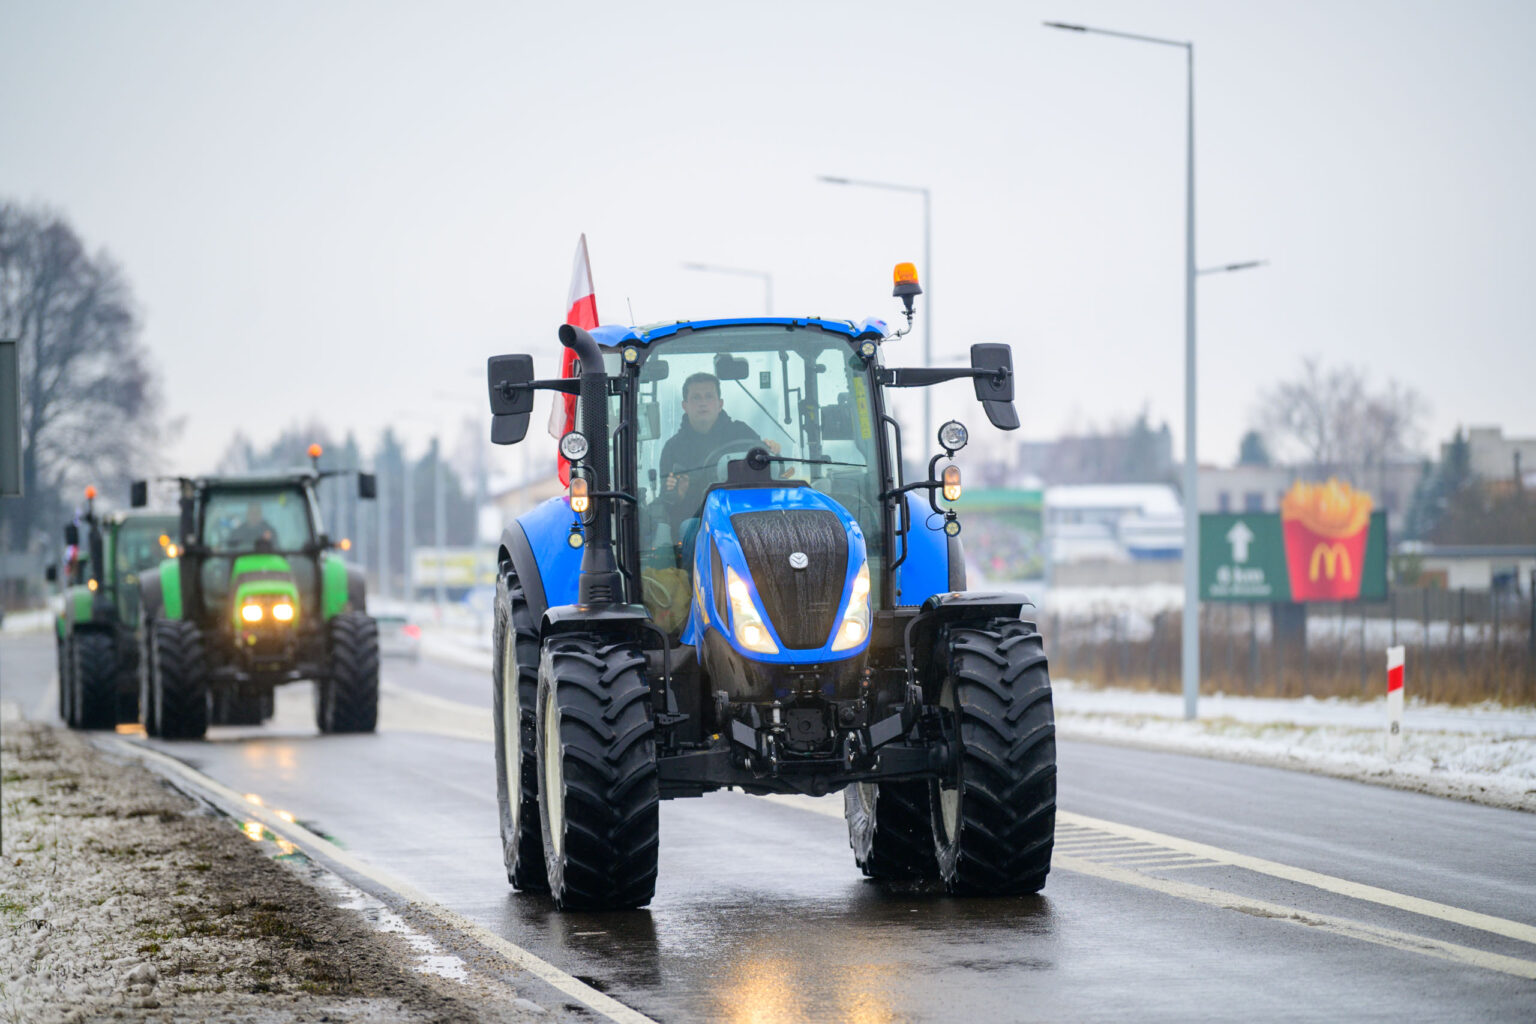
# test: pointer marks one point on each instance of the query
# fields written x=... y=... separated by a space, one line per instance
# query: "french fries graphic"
x=1325 y=532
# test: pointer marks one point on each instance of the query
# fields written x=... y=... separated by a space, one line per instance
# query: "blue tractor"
x=741 y=591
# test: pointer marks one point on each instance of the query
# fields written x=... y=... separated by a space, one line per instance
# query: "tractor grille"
x=801 y=602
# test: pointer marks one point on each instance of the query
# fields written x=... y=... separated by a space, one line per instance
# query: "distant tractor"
x=256 y=598
x=756 y=599
x=97 y=652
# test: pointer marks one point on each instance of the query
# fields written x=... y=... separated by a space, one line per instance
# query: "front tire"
x=515 y=686
x=598 y=789
x=994 y=822
x=93 y=680
x=180 y=681
x=347 y=700
x=890 y=827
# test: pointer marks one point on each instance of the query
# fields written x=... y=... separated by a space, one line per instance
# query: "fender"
x=941 y=610
x=343 y=588
x=630 y=621
x=537 y=547
x=160 y=591
x=934 y=563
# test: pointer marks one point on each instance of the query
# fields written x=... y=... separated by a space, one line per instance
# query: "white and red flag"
x=581 y=311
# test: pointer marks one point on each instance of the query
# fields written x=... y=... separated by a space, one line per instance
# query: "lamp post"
x=927 y=277
x=1191 y=645
x=767 y=279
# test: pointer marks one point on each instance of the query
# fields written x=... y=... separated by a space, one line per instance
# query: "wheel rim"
x=949 y=796
x=554 y=776
x=512 y=730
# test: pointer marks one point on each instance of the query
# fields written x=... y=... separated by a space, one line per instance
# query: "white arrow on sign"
x=1240 y=537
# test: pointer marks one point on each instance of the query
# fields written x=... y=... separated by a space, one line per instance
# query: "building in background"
x=1493 y=456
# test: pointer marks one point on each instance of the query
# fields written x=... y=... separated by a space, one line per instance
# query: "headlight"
x=750 y=630
x=283 y=612
x=854 y=628
x=251 y=612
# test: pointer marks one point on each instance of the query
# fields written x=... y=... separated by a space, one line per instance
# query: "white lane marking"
x=1214 y=897
x=1328 y=883
x=319 y=848
x=1338 y=925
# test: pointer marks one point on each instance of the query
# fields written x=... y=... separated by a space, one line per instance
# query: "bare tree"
x=1330 y=419
x=89 y=397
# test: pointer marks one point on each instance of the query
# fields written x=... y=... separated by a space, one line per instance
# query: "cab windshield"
x=138 y=544
x=254 y=519
x=710 y=396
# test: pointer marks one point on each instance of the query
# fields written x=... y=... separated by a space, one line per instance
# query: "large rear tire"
x=66 y=686
x=514 y=691
x=890 y=827
x=598 y=789
x=180 y=681
x=93 y=680
x=146 y=638
x=994 y=822
x=347 y=700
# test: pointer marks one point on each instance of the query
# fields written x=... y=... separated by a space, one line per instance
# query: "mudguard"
x=934 y=563
x=160 y=591
x=537 y=547
x=940 y=610
x=343 y=587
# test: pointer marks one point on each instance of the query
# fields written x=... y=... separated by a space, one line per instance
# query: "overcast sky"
x=340 y=209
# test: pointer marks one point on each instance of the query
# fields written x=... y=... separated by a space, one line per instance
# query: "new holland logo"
x=798 y=560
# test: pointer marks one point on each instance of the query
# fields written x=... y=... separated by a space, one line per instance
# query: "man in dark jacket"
x=705 y=430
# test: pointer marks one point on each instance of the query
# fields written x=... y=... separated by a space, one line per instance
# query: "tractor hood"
x=781 y=574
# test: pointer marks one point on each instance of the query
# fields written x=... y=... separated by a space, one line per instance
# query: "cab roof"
x=615 y=335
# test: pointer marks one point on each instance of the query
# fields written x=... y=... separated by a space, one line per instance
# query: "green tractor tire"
x=890 y=827
x=515 y=687
x=347 y=699
x=179 y=681
x=994 y=823
x=93 y=680
x=598 y=788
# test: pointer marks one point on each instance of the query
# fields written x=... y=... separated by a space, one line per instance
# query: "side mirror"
x=654 y=369
x=511 y=404
x=138 y=493
x=995 y=391
x=71 y=534
x=367 y=486
x=51 y=574
x=729 y=367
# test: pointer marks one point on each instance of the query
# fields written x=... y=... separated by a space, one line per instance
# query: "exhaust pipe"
x=600 y=581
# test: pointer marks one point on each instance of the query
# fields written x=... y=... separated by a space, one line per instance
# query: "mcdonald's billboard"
x=1327 y=543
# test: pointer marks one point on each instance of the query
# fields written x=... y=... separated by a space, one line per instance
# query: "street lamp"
x=927 y=277
x=767 y=279
x=1191 y=644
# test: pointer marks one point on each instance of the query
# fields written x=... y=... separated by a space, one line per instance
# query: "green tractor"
x=258 y=597
x=98 y=655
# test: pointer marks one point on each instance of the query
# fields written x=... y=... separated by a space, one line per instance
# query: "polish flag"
x=581 y=311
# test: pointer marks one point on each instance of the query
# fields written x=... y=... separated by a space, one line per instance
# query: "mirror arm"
x=922 y=376
x=567 y=385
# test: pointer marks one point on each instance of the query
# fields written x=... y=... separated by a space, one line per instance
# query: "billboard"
x=1327 y=543
x=1001 y=535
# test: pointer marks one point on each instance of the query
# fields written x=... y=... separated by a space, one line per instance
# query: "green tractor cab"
x=97 y=652
x=741 y=591
x=256 y=597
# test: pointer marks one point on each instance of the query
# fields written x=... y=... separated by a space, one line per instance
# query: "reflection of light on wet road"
x=254 y=831
x=254 y=799
x=776 y=990
x=285 y=815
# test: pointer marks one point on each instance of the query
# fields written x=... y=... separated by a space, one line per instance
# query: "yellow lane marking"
x=1207 y=855
x=1337 y=925
x=1328 y=883
x=320 y=849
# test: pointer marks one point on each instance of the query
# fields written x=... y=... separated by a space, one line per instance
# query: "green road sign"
x=1256 y=557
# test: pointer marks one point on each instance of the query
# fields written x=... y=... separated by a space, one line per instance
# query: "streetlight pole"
x=1191 y=639
x=767 y=279
x=927 y=277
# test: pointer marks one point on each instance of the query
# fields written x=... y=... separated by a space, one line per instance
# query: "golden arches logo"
x=1326 y=558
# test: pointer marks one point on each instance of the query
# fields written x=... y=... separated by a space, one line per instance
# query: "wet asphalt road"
x=760 y=914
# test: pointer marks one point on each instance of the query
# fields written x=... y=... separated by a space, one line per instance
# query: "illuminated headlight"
x=251 y=612
x=854 y=628
x=751 y=632
x=283 y=612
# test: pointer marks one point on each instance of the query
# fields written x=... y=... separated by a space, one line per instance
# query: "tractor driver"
x=253 y=533
x=705 y=430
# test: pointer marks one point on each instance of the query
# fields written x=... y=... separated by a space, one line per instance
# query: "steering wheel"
x=741 y=444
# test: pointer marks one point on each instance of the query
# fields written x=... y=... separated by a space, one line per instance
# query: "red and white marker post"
x=1394 y=700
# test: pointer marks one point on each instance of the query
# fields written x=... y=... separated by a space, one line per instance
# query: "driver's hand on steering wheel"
x=677 y=484
x=772 y=446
